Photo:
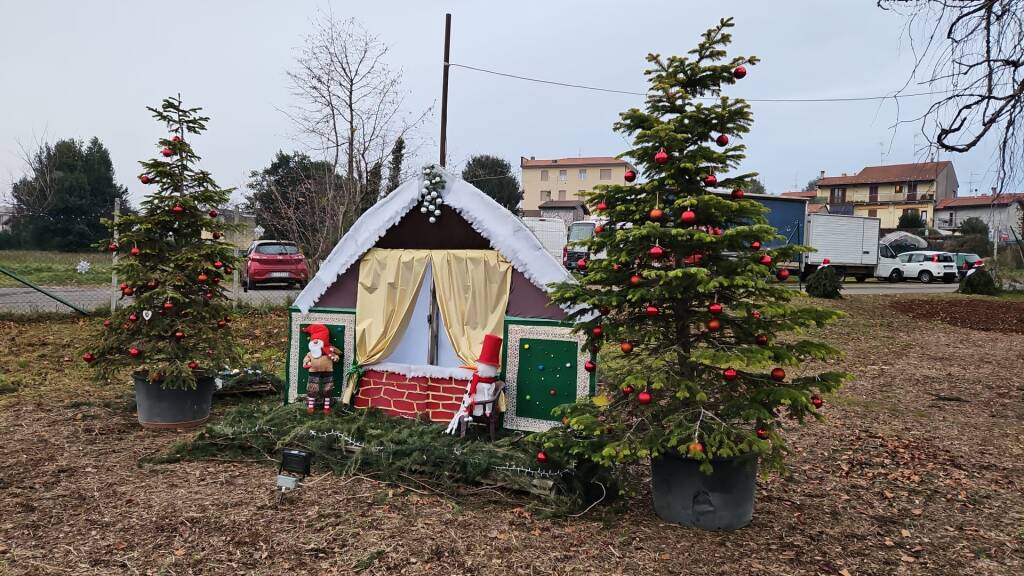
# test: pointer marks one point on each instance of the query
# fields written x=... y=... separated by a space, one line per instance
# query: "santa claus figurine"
x=482 y=387
x=320 y=363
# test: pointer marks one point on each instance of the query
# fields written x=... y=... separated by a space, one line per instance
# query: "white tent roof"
x=506 y=233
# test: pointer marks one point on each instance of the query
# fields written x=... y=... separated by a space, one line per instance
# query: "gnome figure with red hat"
x=482 y=386
x=320 y=363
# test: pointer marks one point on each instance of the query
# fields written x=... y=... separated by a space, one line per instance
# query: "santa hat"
x=318 y=332
x=490 y=353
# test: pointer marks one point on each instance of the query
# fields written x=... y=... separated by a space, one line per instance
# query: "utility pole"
x=434 y=310
x=113 y=274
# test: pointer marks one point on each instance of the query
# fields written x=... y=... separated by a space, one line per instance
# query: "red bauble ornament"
x=716 y=231
x=597 y=331
x=589 y=366
x=542 y=457
x=601 y=206
x=213 y=213
x=756 y=314
x=202 y=277
x=112 y=247
x=817 y=401
x=167 y=152
x=629 y=176
x=729 y=374
x=145 y=179
x=656 y=251
x=176 y=139
x=178 y=209
x=107 y=323
x=710 y=180
x=825 y=262
x=581 y=264
x=152 y=284
x=661 y=157
x=653 y=310
x=627 y=390
x=604 y=310
x=688 y=217
x=217 y=235
x=123 y=286
x=133 y=317
x=695 y=447
x=192 y=365
x=598 y=229
x=714 y=325
x=715 y=308
x=756 y=244
x=693 y=259
x=215 y=280
x=761 y=432
x=778 y=374
x=626 y=347
x=227 y=269
x=634 y=280
x=644 y=397
x=168 y=305
x=739 y=72
x=738 y=194
x=88 y=357
x=722 y=140
x=765 y=259
x=135 y=251
x=218 y=264
x=125 y=326
x=221 y=323
x=782 y=275
x=616 y=267
x=134 y=352
x=209 y=295
x=128 y=291
x=656 y=214
x=761 y=340
x=179 y=335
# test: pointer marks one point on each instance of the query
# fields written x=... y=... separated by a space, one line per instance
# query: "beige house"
x=887 y=192
x=565 y=179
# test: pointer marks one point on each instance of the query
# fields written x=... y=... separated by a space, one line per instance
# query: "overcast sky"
x=82 y=69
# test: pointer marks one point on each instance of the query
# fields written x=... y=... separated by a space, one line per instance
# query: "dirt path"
x=894 y=482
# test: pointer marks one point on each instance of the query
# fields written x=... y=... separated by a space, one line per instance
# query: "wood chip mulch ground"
x=976 y=313
x=894 y=482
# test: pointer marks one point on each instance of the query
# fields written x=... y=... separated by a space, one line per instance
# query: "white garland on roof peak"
x=503 y=229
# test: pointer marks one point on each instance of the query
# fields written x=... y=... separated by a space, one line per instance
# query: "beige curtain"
x=472 y=289
x=389 y=281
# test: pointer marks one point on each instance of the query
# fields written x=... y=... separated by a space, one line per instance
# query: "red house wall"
x=410 y=396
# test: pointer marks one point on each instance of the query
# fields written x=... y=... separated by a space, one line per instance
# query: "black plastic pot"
x=172 y=409
x=723 y=500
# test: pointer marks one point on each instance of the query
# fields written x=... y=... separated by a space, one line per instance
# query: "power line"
x=631 y=93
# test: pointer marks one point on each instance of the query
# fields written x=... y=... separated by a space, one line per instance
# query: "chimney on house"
x=993 y=190
x=822 y=174
x=533 y=157
x=844 y=173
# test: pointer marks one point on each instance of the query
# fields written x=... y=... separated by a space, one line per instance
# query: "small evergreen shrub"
x=824 y=283
x=980 y=282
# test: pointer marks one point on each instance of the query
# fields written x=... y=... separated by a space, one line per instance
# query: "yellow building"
x=888 y=192
x=564 y=180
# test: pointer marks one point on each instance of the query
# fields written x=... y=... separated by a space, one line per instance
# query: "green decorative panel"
x=337 y=338
x=546 y=377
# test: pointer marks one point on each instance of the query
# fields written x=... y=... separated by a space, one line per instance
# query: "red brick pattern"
x=410 y=396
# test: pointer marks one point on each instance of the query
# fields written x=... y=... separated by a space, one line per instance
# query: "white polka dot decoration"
x=430 y=193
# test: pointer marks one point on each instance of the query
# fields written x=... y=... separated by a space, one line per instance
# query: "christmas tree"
x=176 y=324
x=688 y=291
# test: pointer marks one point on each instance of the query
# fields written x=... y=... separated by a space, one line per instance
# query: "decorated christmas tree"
x=689 y=289
x=175 y=321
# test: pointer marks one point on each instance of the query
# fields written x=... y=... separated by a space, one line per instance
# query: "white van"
x=550 y=232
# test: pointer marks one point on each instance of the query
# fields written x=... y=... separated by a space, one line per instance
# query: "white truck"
x=550 y=232
x=850 y=243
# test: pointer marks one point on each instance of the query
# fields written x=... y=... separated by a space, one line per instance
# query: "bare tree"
x=972 y=51
x=350 y=113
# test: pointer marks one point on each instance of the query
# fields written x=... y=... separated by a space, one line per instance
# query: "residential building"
x=246 y=233
x=887 y=192
x=568 y=211
x=566 y=179
x=1003 y=212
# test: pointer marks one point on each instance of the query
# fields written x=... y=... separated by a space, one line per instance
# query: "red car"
x=274 y=261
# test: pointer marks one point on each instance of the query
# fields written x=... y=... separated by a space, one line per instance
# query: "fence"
x=80 y=279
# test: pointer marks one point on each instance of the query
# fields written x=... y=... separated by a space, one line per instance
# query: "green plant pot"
x=722 y=500
x=172 y=409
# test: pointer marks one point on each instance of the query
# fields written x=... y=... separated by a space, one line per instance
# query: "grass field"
x=54 y=268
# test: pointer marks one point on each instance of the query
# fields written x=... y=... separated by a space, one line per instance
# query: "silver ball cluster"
x=430 y=193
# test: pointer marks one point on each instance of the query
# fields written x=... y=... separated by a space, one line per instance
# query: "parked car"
x=572 y=252
x=923 y=265
x=965 y=261
x=274 y=261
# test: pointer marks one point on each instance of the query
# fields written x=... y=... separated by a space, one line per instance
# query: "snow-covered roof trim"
x=506 y=233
